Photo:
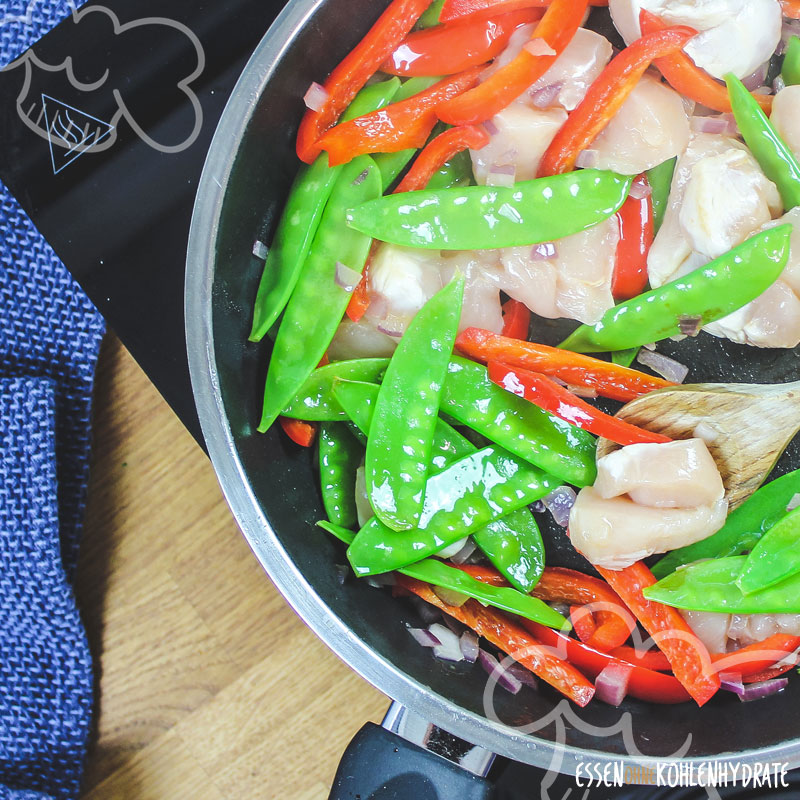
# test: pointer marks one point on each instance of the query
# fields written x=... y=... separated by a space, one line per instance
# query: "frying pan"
x=270 y=484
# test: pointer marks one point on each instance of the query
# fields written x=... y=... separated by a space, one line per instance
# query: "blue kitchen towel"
x=49 y=339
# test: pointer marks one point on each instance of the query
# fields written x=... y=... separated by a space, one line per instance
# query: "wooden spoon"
x=751 y=425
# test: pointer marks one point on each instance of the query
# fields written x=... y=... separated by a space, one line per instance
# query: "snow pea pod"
x=744 y=526
x=298 y=224
x=514 y=543
x=660 y=180
x=316 y=401
x=462 y=498
x=407 y=408
x=480 y=217
x=317 y=304
x=455 y=172
x=773 y=154
x=775 y=557
x=711 y=586
x=791 y=62
x=437 y=573
x=517 y=425
x=710 y=292
x=339 y=457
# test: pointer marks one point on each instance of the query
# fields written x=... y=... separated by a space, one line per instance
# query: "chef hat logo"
x=175 y=48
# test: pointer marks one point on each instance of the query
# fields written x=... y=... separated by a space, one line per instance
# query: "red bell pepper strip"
x=690 y=80
x=360 y=299
x=556 y=28
x=767 y=674
x=756 y=657
x=652 y=659
x=582 y=622
x=302 y=433
x=398 y=126
x=450 y=48
x=607 y=379
x=635 y=237
x=507 y=635
x=516 y=319
x=607 y=94
x=790 y=8
x=457 y=9
x=355 y=70
x=687 y=655
x=555 y=399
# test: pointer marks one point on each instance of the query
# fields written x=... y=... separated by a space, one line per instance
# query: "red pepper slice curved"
x=582 y=622
x=455 y=46
x=300 y=432
x=652 y=659
x=550 y=396
x=636 y=233
x=457 y=9
x=556 y=28
x=686 y=78
x=516 y=319
x=791 y=8
x=357 y=67
x=687 y=655
x=756 y=657
x=767 y=674
x=607 y=94
x=606 y=378
x=398 y=126
x=506 y=634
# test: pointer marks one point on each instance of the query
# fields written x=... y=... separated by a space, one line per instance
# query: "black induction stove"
x=105 y=156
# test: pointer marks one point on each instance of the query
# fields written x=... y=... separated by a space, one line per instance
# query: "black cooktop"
x=105 y=157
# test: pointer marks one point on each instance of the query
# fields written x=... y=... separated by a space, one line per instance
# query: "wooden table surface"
x=209 y=686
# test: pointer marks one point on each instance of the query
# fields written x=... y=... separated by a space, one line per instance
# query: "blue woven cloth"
x=49 y=338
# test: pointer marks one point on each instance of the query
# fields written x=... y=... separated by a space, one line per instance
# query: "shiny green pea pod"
x=711 y=586
x=339 y=457
x=455 y=172
x=791 y=62
x=660 y=180
x=470 y=493
x=744 y=526
x=317 y=304
x=437 y=573
x=514 y=543
x=710 y=292
x=407 y=409
x=430 y=16
x=481 y=217
x=775 y=557
x=521 y=427
x=625 y=357
x=316 y=402
x=298 y=224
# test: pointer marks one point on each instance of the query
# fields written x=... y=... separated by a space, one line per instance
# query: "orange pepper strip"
x=516 y=319
x=756 y=657
x=791 y=8
x=357 y=67
x=556 y=28
x=635 y=220
x=555 y=399
x=360 y=299
x=687 y=655
x=302 y=433
x=688 y=79
x=606 y=378
x=456 y=9
x=398 y=126
x=507 y=635
x=606 y=95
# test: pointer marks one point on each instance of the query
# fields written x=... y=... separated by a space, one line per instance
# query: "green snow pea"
x=317 y=304
x=768 y=148
x=480 y=217
x=462 y=498
x=316 y=402
x=455 y=172
x=517 y=425
x=514 y=543
x=744 y=526
x=339 y=457
x=625 y=357
x=407 y=409
x=775 y=557
x=710 y=292
x=430 y=16
x=298 y=224
x=660 y=180
x=791 y=62
x=711 y=586
x=433 y=571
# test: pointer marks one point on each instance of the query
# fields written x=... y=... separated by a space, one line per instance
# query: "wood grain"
x=209 y=687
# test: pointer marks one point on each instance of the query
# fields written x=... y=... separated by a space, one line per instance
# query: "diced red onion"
x=378 y=306
x=766 y=90
x=611 y=685
x=544 y=251
x=650 y=346
x=393 y=326
x=450 y=596
x=559 y=503
x=316 y=96
x=794 y=502
x=501 y=175
x=491 y=128
x=260 y=250
x=464 y=553
x=690 y=326
x=756 y=79
x=469 y=646
x=640 y=190
x=346 y=278
x=524 y=676
x=538 y=47
x=755 y=691
x=663 y=365
x=424 y=637
x=587 y=159
x=791 y=27
x=705 y=432
x=449 y=647
x=582 y=391
x=504 y=678
x=546 y=96
x=731 y=682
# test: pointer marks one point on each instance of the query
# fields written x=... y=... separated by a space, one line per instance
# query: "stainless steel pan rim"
x=246 y=508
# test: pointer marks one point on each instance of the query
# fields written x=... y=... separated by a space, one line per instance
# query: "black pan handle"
x=380 y=765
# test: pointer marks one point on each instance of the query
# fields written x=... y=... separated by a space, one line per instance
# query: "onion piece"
x=690 y=326
x=393 y=326
x=524 y=676
x=449 y=647
x=546 y=96
x=491 y=128
x=469 y=646
x=611 y=685
x=665 y=366
x=756 y=79
x=794 y=502
x=587 y=159
x=316 y=96
x=451 y=549
x=501 y=175
x=260 y=250
x=705 y=432
x=464 y=553
x=346 y=278
x=450 y=596
x=731 y=682
x=559 y=503
x=639 y=191
x=424 y=637
x=494 y=670
x=544 y=251
x=538 y=47
x=755 y=691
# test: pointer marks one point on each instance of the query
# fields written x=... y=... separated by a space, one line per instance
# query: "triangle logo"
x=70 y=132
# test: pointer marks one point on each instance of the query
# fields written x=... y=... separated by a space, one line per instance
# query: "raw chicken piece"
x=735 y=35
x=617 y=532
x=481 y=306
x=715 y=629
x=360 y=340
x=651 y=127
x=710 y=627
x=679 y=474
x=786 y=116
